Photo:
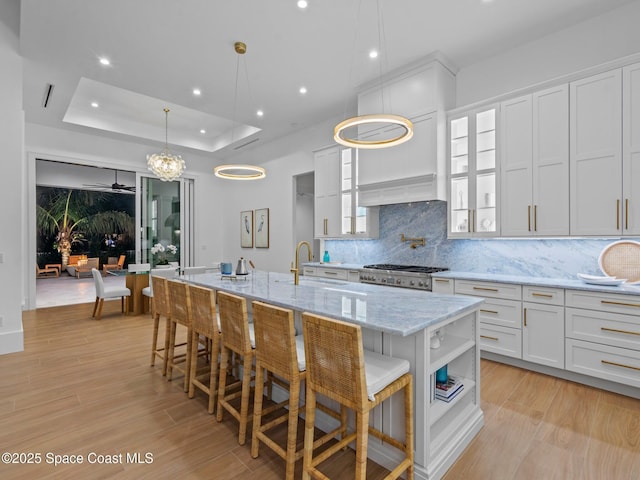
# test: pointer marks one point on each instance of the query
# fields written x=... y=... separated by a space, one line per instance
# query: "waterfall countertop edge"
x=396 y=311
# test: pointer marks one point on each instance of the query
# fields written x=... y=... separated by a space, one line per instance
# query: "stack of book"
x=448 y=390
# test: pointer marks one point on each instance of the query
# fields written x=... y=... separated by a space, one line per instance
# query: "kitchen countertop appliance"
x=405 y=276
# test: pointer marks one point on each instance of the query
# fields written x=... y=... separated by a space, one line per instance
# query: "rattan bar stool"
x=180 y=304
x=236 y=337
x=281 y=353
x=204 y=325
x=339 y=368
x=160 y=307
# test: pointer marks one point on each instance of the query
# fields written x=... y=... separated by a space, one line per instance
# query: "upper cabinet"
x=414 y=170
x=534 y=164
x=327 y=220
x=337 y=213
x=631 y=149
x=596 y=154
x=472 y=174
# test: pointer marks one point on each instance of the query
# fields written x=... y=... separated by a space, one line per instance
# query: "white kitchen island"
x=400 y=323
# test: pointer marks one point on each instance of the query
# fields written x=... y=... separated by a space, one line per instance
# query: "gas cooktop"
x=405 y=268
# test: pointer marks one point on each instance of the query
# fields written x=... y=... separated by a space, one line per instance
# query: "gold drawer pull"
x=545 y=295
x=486 y=289
x=605 y=329
x=442 y=280
x=326 y=272
x=610 y=302
x=489 y=311
x=489 y=338
x=606 y=362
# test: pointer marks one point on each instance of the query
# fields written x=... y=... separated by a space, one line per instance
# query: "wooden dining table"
x=135 y=281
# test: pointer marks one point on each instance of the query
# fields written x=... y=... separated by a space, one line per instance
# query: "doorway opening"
x=303 y=211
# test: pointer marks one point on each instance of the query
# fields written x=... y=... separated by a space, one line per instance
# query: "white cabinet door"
x=472 y=171
x=596 y=154
x=534 y=132
x=550 y=212
x=543 y=334
x=631 y=149
x=327 y=195
x=516 y=166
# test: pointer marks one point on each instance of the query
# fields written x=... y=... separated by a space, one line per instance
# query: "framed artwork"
x=246 y=229
x=262 y=228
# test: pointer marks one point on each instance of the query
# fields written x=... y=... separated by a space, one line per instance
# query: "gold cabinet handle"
x=615 y=330
x=535 y=218
x=326 y=226
x=474 y=219
x=489 y=338
x=353 y=225
x=486 y=289
x=545 y=295
x=326 y=272
x=626 y=213
x=606 y=362
x=529 y=217
x=489 y=311
x=468 y=220
x=525 y=317
x=618 y=214
x=442 y=280
x=610 y=302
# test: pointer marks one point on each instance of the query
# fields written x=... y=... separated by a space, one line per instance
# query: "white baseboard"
x=11 y=342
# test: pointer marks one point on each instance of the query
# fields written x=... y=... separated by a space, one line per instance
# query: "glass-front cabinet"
x=472 y=174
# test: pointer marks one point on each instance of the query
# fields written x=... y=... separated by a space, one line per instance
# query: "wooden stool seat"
x=340 y=369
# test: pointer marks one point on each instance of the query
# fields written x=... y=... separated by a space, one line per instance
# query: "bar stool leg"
x=308 y=432
x=244 y=405
x=257 y=410
x=408 y=425
x=362 y=441
x=222 y=381
x=292 y=433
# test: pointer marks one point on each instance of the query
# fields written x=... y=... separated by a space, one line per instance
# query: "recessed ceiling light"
x=203 y=131
x=95 y=104
x=303 y=90
x=260 y=113
x=196 y=91
x=373 y=54
x=303 y=4
x=105 y=61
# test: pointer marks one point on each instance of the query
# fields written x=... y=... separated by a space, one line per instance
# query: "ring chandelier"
x=240 y=172
x=382 y=120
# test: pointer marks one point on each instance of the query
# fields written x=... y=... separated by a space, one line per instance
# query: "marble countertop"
x=397 y=311
x=628 y=289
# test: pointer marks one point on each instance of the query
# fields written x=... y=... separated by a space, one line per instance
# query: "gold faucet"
x=296 y=270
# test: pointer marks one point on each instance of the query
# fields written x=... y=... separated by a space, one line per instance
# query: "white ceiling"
x=162 y=49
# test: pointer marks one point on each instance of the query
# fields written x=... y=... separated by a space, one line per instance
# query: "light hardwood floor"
x=84 y=386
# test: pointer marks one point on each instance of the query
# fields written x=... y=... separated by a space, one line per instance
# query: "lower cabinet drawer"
x=506 y=313
x=602 y=327
x=489 y=289
x=603 y=361
x=336 y=273
x=502 y=340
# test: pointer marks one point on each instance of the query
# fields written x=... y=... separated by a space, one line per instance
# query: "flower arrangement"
x=162 y=253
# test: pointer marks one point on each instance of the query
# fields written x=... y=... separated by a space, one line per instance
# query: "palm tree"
x=72 y=214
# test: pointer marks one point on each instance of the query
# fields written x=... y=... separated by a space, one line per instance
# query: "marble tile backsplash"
x=555 y=258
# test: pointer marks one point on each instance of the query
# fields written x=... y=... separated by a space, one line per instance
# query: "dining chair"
x=157 y=272
x=103 y=293
x=340 y=369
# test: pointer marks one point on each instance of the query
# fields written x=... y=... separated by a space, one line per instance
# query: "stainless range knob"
x=412 y=283
x=421 y=284
x=398 y=281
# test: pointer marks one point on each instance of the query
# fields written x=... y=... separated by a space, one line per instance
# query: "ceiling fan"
x=115 y=186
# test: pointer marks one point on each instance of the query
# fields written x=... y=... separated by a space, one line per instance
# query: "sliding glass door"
x=164 y=221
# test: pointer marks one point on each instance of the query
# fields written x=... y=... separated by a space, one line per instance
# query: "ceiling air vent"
x=245 y=144
x=48 y=90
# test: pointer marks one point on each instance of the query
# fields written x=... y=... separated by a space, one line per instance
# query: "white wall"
x=285 y=158
x=593 y=42
x=12 y=182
